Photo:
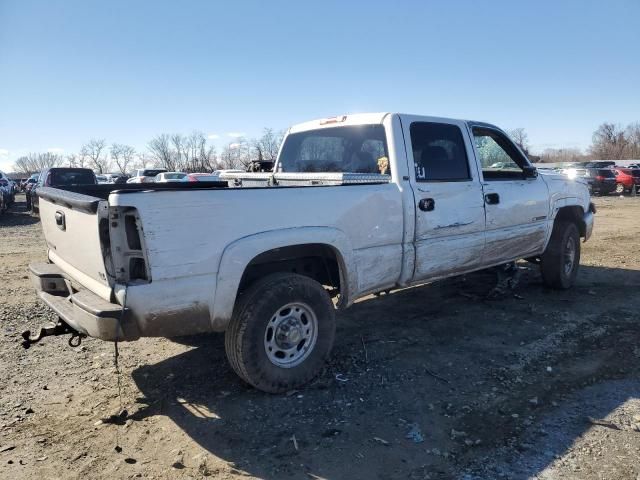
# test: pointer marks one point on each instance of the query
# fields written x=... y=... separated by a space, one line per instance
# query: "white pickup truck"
x=357 y=204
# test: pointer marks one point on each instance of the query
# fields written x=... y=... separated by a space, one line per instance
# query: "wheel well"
x=573 y=214
x=314 y=260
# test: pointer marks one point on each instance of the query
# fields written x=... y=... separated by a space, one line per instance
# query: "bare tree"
x=559 y=155
x=76 y=161
x=143 y=160
x=95 y=153
x=123 y=156
x=632 y=133
x=35 y=162
x=200 y=157
x=520 y=138
x=161 y=152
x=266 y=147
x=608 y=142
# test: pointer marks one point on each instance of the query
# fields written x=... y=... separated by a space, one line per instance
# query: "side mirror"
x=529 y=171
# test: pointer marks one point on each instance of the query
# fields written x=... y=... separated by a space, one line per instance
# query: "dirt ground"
x=425 y=383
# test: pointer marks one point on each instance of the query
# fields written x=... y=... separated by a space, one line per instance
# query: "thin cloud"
x=235 y=134
x=213 y=136
x=55 y=150
x=233 y=146
x=4 y=152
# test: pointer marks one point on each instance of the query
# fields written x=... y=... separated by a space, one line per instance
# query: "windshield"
x=174 y=176
x=354 y=149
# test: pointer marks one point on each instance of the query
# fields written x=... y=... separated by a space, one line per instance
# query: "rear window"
x=151 y=173
x=72 y=177
x=606 y=173
x=348 y=149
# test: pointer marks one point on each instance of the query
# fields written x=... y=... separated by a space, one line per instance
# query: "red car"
x=627 y=179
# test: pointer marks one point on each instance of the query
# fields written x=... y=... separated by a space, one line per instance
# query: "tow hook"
x=52 y=329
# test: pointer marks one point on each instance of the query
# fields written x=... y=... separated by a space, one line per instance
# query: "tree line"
x=609 y=142
x=175 y=152
x=194 y=152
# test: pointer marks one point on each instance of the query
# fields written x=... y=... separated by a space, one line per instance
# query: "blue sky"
x=128 y=70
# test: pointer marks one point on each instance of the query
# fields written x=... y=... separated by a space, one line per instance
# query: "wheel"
x=281 y=332
x=560 y=261
x=620 y=188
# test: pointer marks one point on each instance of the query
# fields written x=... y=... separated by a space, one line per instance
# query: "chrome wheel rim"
x=290 y=335
x=619 y=188
x=569 y=255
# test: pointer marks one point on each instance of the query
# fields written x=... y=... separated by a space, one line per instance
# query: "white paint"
x=198 y=243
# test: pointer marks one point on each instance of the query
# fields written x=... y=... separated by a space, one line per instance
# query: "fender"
x=556 y=204
x=238 y=254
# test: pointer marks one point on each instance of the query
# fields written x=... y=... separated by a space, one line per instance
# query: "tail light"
x=191 y=178
x=600 y=178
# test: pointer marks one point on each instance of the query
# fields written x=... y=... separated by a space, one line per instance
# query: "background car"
x=201 y=177
x=627 y=179
x=602 y=181
x=166 y=177
x=53 y=177
x=145 y=175
x=6 y=195
x=101 y=179
x=8 y=188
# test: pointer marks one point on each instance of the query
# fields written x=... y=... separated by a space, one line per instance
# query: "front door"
x=449 y=229
x=517 y=208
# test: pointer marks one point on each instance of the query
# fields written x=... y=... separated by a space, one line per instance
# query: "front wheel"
x=560 y=261
x=620 y=188
x=281 y=332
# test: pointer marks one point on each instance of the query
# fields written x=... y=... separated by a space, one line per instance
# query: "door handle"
x=427 y=204
x=60 y=220
x=492 y=198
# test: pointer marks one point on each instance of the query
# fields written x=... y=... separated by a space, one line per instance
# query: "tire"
x=257 y=344
x=558 y=265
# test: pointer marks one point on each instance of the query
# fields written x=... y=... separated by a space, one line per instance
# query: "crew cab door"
x=449 y=206
x=517 y=208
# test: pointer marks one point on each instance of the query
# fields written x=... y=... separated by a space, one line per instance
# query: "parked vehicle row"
x=605 y=177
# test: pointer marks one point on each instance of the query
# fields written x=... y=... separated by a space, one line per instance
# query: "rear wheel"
x=620 y=188
x=281 y=332
x=560 y=261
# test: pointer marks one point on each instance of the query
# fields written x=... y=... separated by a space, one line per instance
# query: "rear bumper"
x=80 y=308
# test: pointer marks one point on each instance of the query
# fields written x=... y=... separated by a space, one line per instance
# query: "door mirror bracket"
x=529 y=171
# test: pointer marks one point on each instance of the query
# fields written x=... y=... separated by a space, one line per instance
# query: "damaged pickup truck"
x=356 y=204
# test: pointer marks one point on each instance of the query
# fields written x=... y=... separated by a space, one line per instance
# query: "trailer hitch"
x=52 y=329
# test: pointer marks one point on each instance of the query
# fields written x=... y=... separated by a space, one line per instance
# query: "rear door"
x=449 y=228
x=517 y=209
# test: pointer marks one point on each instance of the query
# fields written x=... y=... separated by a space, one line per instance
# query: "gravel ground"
x=425 y=383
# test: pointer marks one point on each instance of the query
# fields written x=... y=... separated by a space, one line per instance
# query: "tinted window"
x=438 y=152
x=354 y=149
x=151 y=173
x=605 y=172
x=72 y=177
